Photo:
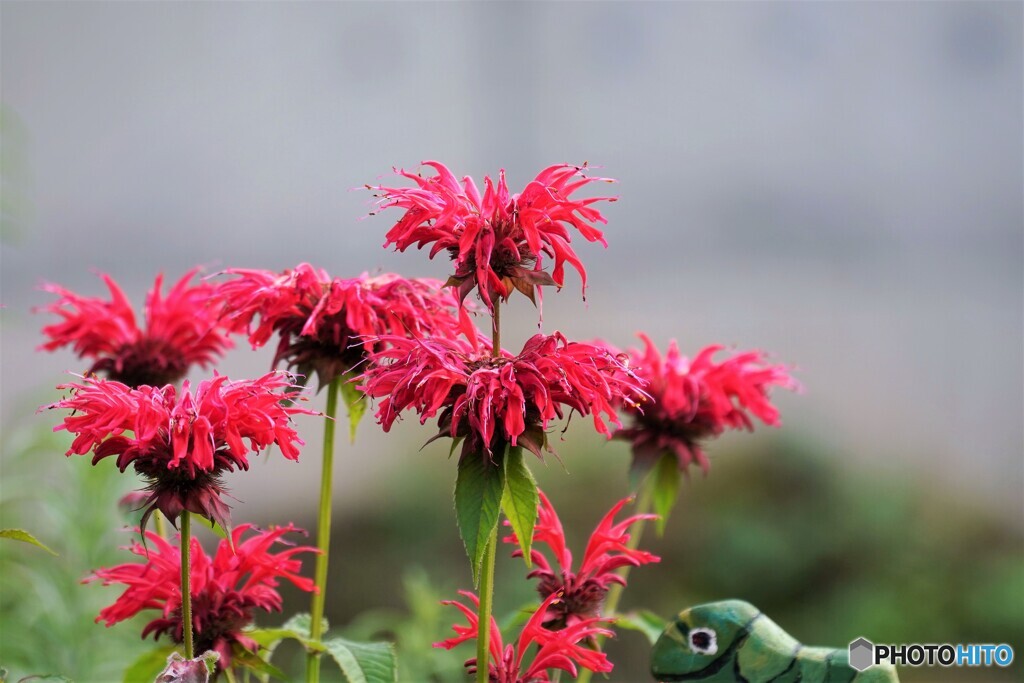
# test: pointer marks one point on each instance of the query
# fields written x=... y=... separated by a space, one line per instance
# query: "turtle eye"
x=703 y=641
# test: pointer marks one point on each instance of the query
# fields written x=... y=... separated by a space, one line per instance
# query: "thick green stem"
x=611 y=602
x=186 y=582
x=483 y=639
x=323 y=531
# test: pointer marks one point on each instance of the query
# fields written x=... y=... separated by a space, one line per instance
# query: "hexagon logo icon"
x=862 y=654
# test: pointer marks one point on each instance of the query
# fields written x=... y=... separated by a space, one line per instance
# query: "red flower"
x=693 y=400
x=327 y=325
x=491 y=401
x=241 y=577
x=181 y=441
x=583 y=591
x=181 y=330
x=499 y=240
x=555 y=649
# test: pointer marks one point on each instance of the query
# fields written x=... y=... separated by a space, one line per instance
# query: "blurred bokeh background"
x=839 y=184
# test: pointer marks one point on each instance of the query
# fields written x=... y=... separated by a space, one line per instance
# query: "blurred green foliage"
x=46 y=615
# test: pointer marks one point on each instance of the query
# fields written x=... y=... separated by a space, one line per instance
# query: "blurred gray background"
x=839 y=184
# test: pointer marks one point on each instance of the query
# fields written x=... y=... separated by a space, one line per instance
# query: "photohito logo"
x=864 y=654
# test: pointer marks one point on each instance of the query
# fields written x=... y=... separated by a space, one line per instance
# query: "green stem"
x=186 y=582
x=158 y=522
x=643 y=506
x=611 y=602
x=483 y=639
x=323 y=532
x=496 y=330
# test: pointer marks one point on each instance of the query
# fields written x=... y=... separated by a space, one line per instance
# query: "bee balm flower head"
x=560 y=649
x=693 y=400
x=181 y=330
x=327 y=325
x=582 y=590
x=227 y=589
x=182 y=441
x=497 y=240
x=491 y=400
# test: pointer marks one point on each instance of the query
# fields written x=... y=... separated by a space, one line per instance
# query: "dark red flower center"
x=582 y=599
x=533 y=438
x=512 y=262
x=688 y=431
x=331 y=351
x=218 y=618
x=174 y=489
x=148 y=361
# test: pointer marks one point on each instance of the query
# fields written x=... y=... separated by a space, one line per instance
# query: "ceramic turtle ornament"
x=729 y=641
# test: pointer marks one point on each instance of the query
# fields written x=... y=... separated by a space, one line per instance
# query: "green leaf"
x=639 y=468
x=218 y=530
x=644 y=621
x=514 y=620
x=364 y=662
x=269 y=637
x=246 y=659
x=54 y=678
x=24 y=537
x=519 y=499
x=211 y=657
x=355 y=401
x=301 y=623
x=148 y=665
x=665 y=488
x=478 y=489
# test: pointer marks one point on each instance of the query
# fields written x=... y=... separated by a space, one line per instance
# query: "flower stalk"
x=161 y=528
x=483 y=640
x=643 y=507
x=323 y=530
x=611 y=603
x=186 y=582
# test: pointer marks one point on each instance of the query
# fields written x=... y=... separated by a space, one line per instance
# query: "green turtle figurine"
x=728 y=641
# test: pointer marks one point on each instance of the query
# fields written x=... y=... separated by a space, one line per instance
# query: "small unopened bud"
x=181 y=670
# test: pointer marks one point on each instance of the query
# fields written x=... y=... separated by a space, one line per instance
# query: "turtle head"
x=698 y=637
